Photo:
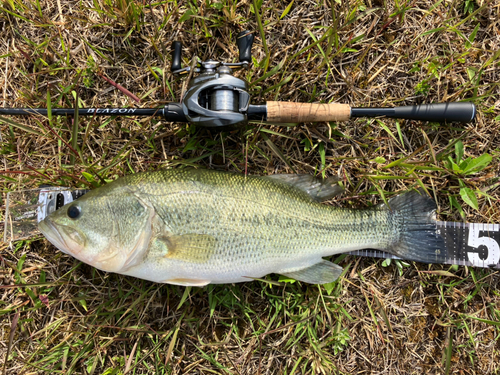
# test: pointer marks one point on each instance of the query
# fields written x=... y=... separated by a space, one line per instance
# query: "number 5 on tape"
x=481 y=239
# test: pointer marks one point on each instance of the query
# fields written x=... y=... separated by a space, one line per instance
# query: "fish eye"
x=74 y=212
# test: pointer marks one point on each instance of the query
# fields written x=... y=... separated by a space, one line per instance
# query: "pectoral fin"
x=192 y=247
x=320 y=273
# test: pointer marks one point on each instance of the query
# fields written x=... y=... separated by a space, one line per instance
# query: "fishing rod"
x=215 y=98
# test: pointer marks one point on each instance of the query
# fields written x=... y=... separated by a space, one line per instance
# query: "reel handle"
x=244 y=40
x=176 y=56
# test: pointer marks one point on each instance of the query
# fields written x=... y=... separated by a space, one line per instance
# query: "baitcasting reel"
x=215 y=97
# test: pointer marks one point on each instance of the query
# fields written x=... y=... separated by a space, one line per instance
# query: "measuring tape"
x=466 y=244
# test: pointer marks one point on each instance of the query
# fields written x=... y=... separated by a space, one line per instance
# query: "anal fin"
x=187 y=282
x=323 y=272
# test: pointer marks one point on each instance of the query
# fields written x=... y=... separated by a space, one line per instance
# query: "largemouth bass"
x=195 y=227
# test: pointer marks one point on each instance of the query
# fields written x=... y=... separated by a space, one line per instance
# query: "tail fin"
x=415 y=212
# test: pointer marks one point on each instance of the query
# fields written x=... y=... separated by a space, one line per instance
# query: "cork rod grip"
x=307 y=112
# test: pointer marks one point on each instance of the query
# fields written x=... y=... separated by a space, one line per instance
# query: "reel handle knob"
x=176 y=56
x=244 y=40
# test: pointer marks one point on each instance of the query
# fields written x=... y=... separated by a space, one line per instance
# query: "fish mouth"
x=72 y=242
x=51 y=233
x=55 y=236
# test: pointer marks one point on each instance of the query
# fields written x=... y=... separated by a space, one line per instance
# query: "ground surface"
x=415 y=319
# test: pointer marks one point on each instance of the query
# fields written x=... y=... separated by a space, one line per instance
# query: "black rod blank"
x=171 y=112
x=83 y=111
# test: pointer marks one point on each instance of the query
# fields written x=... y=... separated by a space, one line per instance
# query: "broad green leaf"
x=30 y=293
x=20 y=264
x=433 y=69
x=88 y=177
x=329 y=287
x=477 y=164
x=471 y=72
x=415 y=68
x=378 y=160
x=455 y=167
x=186 y=15
x=284 y=279
x=112 y=371
x=469 y=197
x=463 y=165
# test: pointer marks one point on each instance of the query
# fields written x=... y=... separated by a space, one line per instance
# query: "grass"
x=63 y=317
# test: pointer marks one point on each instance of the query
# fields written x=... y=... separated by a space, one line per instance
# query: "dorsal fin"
x=318 y=189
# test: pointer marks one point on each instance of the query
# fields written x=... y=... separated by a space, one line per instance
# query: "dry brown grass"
x=372 y=53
